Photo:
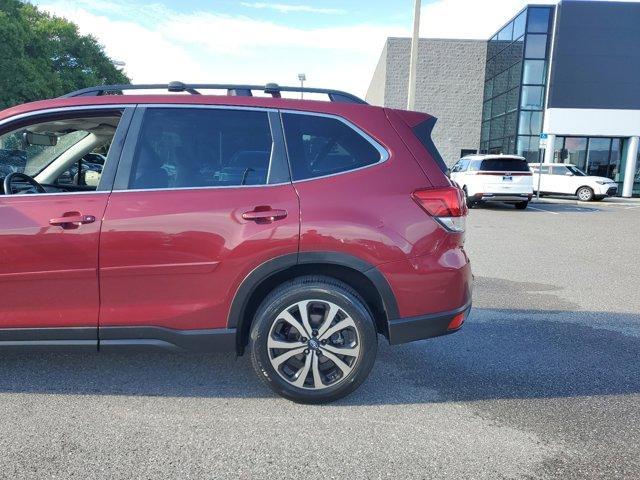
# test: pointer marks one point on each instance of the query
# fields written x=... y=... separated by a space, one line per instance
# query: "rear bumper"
x=406 y=330
x=502 y=197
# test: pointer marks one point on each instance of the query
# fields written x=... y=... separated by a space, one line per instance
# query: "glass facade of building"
x=599 y=156
x=515 y=81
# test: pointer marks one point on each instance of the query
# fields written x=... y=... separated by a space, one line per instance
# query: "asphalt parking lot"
x=542 y=382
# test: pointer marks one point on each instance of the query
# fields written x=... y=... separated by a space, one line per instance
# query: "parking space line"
x=624 y=206
x=542 y=210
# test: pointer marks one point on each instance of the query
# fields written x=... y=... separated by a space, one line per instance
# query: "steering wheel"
x=12 y=177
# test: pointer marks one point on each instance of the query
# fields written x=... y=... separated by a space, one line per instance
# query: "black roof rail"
x=273 y=89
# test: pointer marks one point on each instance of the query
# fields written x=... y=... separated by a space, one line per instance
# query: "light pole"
x=413 y=62
x=302 y=77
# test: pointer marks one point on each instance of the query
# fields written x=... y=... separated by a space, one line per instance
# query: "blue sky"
x=336 y=43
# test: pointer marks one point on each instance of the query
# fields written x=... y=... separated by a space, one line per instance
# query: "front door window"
x=60 y=155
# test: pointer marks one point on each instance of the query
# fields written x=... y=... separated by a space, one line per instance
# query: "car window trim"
x=114 y=155
x=384 y=153
x=278 y=154
x=111 y=163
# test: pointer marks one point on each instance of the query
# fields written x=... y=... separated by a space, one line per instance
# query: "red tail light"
x=447 y=205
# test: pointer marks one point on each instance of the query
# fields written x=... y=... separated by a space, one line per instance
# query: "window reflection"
x=598 y=157
x=532 y=98
x=512 y=100
x=506 y=33
x=614 y=160
x=538 y=20
x=536 y=46
x=514 y=75
x=519 y=24
x=575 y=152
x=529 y=148
x=530 y=123
x=534 y=72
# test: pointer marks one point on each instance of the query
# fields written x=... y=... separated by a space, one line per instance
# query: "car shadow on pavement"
x=512 y=354
x=498 y=354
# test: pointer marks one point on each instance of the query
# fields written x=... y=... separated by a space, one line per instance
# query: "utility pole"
x=302 y=77
x=413 y=62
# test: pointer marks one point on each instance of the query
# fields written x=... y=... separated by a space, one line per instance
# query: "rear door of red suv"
x=202 y=196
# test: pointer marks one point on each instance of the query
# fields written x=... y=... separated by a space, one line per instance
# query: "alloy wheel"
x=584 y=194
x=313 y=344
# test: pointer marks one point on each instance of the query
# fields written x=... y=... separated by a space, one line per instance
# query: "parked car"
x=494 y=178
x=297 y=230
x=567 y=179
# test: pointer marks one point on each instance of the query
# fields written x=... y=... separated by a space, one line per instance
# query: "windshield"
x=16 y=156
x=576 y=171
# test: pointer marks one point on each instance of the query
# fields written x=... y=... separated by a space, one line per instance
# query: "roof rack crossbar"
x=273 y=89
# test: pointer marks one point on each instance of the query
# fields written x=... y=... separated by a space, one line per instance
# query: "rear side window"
x=504 y=165
x=202 y=147
x=423 y=132
x=320 y=146
x=536 y=169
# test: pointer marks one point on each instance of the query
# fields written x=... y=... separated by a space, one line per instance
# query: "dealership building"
x=556 y=83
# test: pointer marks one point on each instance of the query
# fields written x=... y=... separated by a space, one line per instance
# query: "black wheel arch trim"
x=276 y=265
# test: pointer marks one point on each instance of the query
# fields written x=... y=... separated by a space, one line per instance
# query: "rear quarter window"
x=504 y=165
x=320 y=146
x=423 y=132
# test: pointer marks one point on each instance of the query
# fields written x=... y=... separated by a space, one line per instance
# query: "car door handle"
x=264 y=215
x=71 y=220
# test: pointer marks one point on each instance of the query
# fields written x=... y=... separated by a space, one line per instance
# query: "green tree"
x=43 y=56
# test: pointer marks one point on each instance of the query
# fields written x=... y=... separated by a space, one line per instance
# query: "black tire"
x=288 y=295
x=585 y=194
x=521 y=205
x=470 y=203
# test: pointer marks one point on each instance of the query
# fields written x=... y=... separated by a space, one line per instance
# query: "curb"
x=571 y=201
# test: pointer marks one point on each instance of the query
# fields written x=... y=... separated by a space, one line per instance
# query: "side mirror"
x=569 y=174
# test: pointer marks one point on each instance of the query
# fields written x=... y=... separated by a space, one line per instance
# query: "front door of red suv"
x=202 y=197
x=51 y=207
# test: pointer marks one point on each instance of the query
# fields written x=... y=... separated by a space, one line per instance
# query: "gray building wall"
x=450 y=86
x=377 y=88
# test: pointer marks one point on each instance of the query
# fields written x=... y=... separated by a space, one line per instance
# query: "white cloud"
x=287 y=8
x=160 y=45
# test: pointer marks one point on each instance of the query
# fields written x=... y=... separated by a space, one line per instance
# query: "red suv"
x=296 y=229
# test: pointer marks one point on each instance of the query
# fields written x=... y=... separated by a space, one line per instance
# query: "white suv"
x=494 y=178
x=567 y=179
